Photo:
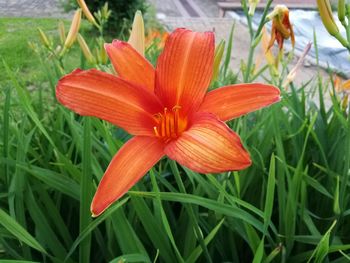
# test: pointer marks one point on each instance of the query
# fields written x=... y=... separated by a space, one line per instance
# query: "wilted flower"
x=270 y=58
x=292 y=74
x=167 y=109
x=281 y=27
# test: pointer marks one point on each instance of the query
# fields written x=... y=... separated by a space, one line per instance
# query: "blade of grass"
x=164 y=217
x=213 y=205
x=269 y=194
x=85 y=192
x=198 y=250
x=190 y=211
x=19 y=232
x=83 y=234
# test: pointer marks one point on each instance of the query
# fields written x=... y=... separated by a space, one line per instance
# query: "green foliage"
x=15 y=33
x=122 y=12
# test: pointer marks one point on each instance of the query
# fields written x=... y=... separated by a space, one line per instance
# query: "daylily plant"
x=167 y=109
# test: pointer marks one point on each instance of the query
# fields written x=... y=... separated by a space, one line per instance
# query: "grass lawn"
x=15 y=33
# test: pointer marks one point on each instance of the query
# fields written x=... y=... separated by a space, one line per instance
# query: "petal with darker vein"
x=102 y=95
x=184 y=69
x=130 y=163
x=209 y=146
x=130 y=65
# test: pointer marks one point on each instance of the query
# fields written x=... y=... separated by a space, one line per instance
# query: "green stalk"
x=255 y=36
x=6 y=127
x=189 y=209
x=85 y=192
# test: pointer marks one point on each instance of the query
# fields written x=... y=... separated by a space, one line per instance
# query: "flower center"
x=170 y=124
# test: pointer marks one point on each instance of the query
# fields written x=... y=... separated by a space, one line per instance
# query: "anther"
x=156 y=131
x=176 y=118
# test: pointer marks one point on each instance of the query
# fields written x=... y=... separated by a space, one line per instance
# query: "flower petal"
x=185 y=69
x=233 y=101
x=95 y=93
x=130 y=65
x=130 y=163
x=209 y=146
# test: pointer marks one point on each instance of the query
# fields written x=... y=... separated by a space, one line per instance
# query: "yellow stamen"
x=169 y=124
x=156 y=131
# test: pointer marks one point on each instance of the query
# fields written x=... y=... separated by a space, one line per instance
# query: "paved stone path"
x=32 y=8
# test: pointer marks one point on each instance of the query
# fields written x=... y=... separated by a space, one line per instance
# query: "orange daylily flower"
x=341 y=86
x=156 y=36
x=167 y=109
x=281 y=27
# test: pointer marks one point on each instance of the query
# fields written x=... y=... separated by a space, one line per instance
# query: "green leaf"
x=198 y=250
x=322 y=248
x=131 y=258
x=216 y=206
x=19 y=232
x=269 y=194
x=83 y=234
x=259 y=253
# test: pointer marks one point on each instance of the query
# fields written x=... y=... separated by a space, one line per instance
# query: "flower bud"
x=341 y=11
x=326 y=14
x=44 y=38
x=137 y=35
x=345 y=102
x=105 y=12
x=62 y=32
x=74 y=29
x=86 y=50
x=219 y=52
x=252 y=6
x=87 y=13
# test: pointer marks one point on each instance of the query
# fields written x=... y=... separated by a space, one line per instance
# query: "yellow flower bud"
x=137 y=35
x=86 y=50
x=62 y=32
x=341 y=10
x=345 y=102
x=219 y=52
x=252 y=6
x=87 y=13
x=102 y=52
x=74 y=29
x=326 y=14
x=44 y=38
